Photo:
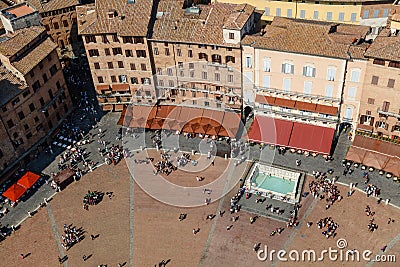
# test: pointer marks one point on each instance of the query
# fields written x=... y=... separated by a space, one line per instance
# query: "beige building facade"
x=175 y=55
x=303 y=78
x=372 y=13
x=380 y=106
x=198 y=62
x=115 y=39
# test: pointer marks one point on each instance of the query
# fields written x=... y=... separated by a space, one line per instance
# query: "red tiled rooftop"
x=22 y=10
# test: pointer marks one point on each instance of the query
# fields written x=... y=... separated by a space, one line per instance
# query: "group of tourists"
x=238 y=148
x=164 y=165
x=329 y=227
x=324 y=188
x=92 y=198
x=368 y=211
x=71 y=236
x=184 y=159
x=113 y=154
x=235 y=207
x=372 y=190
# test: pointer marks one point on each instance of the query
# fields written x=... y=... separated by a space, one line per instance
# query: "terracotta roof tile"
x=204 y=28
x=385 y=46
x=130 y=20
x=29 y=61
x=19 y=39
x=308 y=37
x=52 y=4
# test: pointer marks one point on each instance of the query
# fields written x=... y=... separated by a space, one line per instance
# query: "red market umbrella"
x=14 y=192
x=393 y=166
x=28 y=179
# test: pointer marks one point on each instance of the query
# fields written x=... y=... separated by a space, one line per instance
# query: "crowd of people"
x=71 y=236
x=324 y=188
x=185 y=159
x=164 y=165
x=113 y=154
x=329 y=227
x=92 y=198
x=372 y=190
x=235 y=207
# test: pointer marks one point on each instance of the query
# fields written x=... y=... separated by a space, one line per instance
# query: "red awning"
x=120 y=87
x=356 y=154
x=28 y=179
x=164 y=111
x=380 y=146
x=212 y=117
x=263 y=99
x=311 y=138
x=270 y=131
x=172 y=123
x=282 y=102
x=365 y=127
x=230 y=124
x=213 y=130
x=375 y=160
x=14 y=192
x=307 y=106
x=327 y=110
x=393 y=166
x=102 y=87
x=142 y=116
x=187 y=114
x=156 y=124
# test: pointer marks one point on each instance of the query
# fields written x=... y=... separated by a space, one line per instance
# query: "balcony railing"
x=113 y=95
x=387 y=113
x=349 y=120
x=296 y=94
x=215 y=105
x=201 y=90
x=297 y=115
x=216 y=64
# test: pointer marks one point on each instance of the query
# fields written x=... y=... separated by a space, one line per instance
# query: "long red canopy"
x=270 y=131
x=14 y=192
x=311 y=138
x=28 y=179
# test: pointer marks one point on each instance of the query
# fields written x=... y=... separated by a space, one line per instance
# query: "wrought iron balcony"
x=113 y=95
x=216 y=64
x=296 y=94
x=387 y=113
x=116 y=103
x=225 y=92
x=349 y=120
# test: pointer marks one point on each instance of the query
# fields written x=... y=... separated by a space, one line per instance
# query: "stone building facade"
x=34 y=96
